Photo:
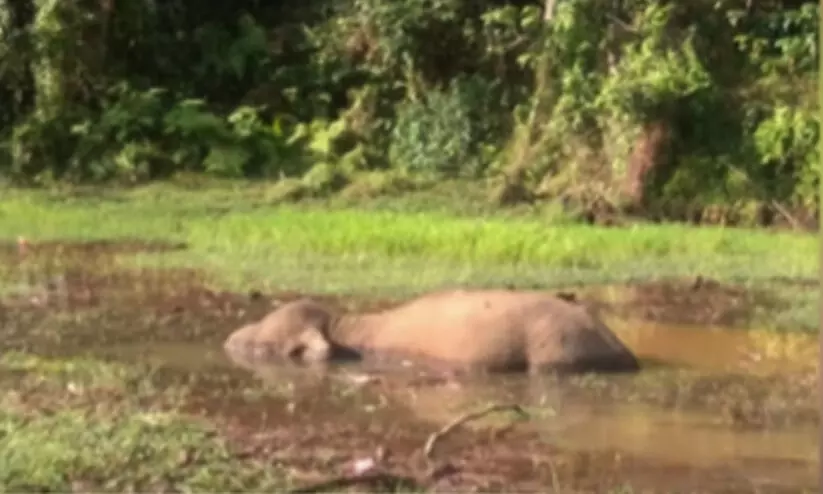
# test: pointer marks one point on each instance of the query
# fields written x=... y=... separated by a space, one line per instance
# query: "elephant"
x=486 y=331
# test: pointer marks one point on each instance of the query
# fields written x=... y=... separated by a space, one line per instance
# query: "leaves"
x=436 y=87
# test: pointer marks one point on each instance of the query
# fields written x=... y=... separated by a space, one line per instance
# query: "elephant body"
x=474 y=330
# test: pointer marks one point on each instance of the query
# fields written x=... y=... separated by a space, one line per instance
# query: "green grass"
x=69 y=424
x=373 y=249
x=232 y=228
x=88 y=372
x=74 y=449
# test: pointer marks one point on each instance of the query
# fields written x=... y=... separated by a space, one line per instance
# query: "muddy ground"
x=69 y=300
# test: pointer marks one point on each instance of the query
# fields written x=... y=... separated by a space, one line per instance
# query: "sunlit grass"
x=73 y=450
x=245 y=242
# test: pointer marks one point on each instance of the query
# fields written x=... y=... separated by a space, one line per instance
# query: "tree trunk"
x=548 y=10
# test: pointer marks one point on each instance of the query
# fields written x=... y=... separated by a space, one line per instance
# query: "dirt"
x=79 y=301
x=308 y=435
x=769 y=217
x=697 y=301
x=321 y=439
x=491 y=460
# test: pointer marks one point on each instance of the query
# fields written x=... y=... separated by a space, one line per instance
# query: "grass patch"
x=33 y=383
x=802 y=312
x=137 y=452
x=485 y=240
x=86 y=372
x=84 y=424
x=374 y=237
x=374 y=249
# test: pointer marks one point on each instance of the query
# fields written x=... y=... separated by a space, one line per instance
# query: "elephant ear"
x=315 y=346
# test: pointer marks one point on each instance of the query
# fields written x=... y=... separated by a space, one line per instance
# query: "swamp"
x=115 y=306
x=171 y=171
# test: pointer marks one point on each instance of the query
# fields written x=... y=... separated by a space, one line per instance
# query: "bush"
x=436 y=135
x=133 y=91
x=141 y=135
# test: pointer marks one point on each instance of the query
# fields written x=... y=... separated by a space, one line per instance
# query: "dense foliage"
x=666 y=106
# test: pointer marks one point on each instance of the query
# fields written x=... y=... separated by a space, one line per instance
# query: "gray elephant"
x=466 y=330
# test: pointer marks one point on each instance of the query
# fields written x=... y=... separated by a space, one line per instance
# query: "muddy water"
x=677 y=435
x=734 y=399
x=718 y=349
x=583 y=418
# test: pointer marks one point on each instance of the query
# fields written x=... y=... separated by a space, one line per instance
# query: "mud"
x=722 y=411
x=696 y=301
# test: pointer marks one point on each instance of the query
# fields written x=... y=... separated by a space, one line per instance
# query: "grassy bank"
x=82 y=424
x=125 y=451
x=246 y=242
x=237 y=224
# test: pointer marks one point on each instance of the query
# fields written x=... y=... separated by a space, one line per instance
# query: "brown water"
x=742 y=400
x=604 y=417
x=719 y=349
x=699 y=348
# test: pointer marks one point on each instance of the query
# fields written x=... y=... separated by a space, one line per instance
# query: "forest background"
x=703 y=110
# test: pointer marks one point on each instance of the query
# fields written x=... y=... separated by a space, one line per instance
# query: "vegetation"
x=81 y=424
x=231 y=225
x=74 y=422
x=700 y=110
x=472 y=136
x=119 y=453
x=245 y=243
